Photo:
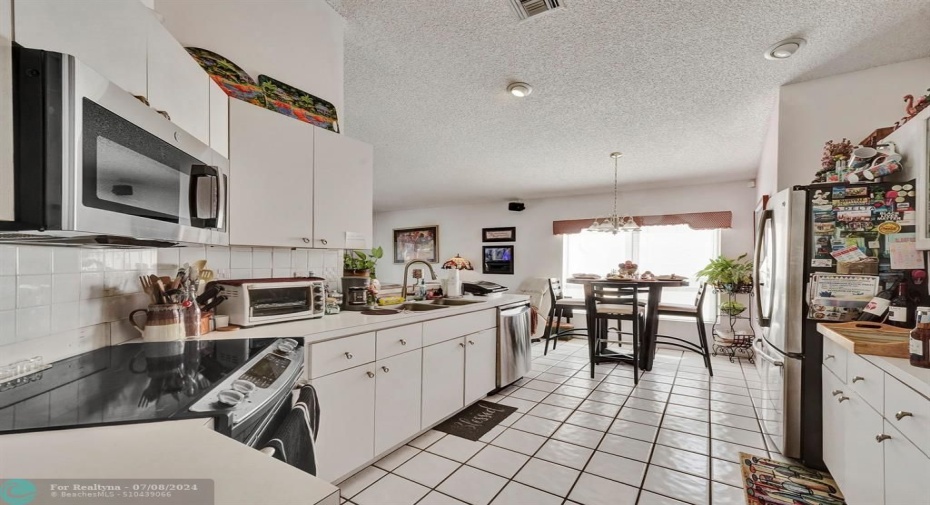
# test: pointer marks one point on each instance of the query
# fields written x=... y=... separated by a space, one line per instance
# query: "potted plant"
x=361 y=264
x=728 y=275
x=732 y=308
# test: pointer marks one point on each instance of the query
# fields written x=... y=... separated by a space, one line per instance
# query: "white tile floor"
x=673 y=439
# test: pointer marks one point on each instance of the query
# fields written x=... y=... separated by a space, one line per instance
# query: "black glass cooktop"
x=124 y=383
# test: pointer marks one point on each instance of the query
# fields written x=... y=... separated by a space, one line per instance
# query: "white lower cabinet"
x=906 y=470
x=834 y=445
x=347 y=421
x=443 y=379
x=861 y=480
x=397 y=399
x=480 y=364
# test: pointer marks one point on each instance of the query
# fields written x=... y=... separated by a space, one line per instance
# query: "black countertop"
x=123 y=384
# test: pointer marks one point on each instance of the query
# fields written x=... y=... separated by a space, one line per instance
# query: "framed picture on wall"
x=420 y=243
x=508 y=234
x=497 y=260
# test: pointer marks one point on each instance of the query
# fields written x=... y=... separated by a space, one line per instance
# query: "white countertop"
x=351 y=323
x=166 y=450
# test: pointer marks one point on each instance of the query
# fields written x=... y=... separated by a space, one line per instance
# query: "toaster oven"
x=251 y=302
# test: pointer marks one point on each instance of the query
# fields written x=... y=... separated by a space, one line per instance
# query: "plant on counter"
x=361 y=264
x=732 y=308
x=728 y=275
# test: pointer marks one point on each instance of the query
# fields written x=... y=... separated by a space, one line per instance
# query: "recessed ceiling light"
x=784 y=49
x=519 y=89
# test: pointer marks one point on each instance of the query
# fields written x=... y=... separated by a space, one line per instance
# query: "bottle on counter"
x=899 y=311
x=920 y=339
x=875 y=310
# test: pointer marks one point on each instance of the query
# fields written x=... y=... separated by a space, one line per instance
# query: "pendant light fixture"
x=614 y=222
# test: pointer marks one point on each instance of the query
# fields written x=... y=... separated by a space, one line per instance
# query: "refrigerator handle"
x=757 y=285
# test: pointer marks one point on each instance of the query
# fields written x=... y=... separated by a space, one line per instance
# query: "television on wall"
x=498 y=260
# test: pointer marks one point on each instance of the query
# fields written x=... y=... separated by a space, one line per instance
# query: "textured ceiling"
x=680 y=87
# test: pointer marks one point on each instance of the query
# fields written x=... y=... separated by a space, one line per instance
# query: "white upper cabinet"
x=108 y=35
x=271 y=178
x=219 y=119
x=342 y=206
x=176 y=83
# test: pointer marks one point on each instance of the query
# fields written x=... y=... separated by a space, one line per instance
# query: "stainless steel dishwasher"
x=514 y=357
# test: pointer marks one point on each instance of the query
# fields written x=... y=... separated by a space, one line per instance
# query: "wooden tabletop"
x=638 y=282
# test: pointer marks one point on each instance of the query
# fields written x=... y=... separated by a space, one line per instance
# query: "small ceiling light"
x=519 y=89
x=784 y=49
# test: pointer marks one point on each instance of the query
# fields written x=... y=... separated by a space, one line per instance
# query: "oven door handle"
x=757 y=346
x=207 y=197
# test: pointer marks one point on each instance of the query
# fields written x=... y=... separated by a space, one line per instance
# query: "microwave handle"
x=207 y=197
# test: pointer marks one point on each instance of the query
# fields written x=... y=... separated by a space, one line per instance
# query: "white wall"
x=849 y=105
x=537 y=252
x=299 y=42
x=767 y=175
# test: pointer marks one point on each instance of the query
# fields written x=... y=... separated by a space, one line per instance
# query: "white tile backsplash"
x=58 y=302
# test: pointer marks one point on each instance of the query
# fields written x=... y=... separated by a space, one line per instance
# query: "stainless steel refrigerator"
x=795 y=238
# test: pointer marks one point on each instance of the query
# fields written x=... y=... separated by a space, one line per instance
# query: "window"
x=660 y=249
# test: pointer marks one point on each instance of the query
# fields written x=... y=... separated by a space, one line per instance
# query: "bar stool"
x=559 y=307
x=605 y=302
x=695 y=311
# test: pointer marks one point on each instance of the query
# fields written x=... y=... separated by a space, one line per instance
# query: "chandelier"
x=614 y=222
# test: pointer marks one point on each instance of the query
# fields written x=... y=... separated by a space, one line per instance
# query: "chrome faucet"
x=403 y=291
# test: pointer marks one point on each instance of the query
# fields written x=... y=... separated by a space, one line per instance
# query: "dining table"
x=648 y=348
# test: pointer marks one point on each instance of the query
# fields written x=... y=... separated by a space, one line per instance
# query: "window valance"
x=694 y=220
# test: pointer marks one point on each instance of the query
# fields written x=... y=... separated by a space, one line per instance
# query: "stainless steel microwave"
x=95 y=165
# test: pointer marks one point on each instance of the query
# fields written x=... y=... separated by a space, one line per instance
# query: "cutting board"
x=872 y=338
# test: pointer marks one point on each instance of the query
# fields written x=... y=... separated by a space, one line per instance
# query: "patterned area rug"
x=473 y=422
x=769 y=482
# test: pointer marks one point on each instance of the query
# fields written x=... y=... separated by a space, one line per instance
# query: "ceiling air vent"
x=528 y=8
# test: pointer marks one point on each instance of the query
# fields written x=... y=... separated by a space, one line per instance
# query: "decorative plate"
x=290 y=101
x=234 y=81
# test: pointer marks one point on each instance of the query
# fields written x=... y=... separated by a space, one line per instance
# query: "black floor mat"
x=473 y=422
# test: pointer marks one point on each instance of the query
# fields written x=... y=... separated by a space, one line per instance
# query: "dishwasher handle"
x=514 y=311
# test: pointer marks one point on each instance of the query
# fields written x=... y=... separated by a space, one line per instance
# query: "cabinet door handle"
x=306 y=240
x=323 y=241
x=836 y=392
x=349 y=355
x=842 y=399
x=164 y=114
x=403 y=342
x=858 y=378
x=461 y=344
x=386 y=369
x=370 y=374
x=471 y=342
x=902 y=414
x=881 y=438
x=829 y=356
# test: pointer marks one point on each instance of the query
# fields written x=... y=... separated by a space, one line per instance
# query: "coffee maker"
x=355 y=293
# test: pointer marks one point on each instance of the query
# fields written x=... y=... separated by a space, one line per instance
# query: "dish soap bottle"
x=920 y=339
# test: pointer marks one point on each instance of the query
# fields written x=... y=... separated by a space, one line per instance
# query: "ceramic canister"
x=163 y=323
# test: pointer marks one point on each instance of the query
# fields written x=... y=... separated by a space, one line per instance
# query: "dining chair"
x=605 y=302
x=559 y=307
x=695 y=311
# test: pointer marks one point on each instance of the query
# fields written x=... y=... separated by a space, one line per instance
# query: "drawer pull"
x=902 y=414
x=858 y=378
x=461 y=344
x=349 y=355
x=403 y=342
x=306 y=240
x=370 y=374
x=842 y=399
x=836 y=392
x=471 y=342
x=881 y=438
x=386 y=369
x=829 y=356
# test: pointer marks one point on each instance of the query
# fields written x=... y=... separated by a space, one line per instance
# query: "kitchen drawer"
x=394 y=341
x=867 y=380
x=341 y=354
x=834 y=358
x=901 y=400
x=447 y=328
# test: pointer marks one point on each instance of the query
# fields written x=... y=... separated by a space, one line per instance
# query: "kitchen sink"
x=452 y=302
x=419 y=306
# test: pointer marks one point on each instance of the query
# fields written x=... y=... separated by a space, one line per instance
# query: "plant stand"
x=731 y=339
